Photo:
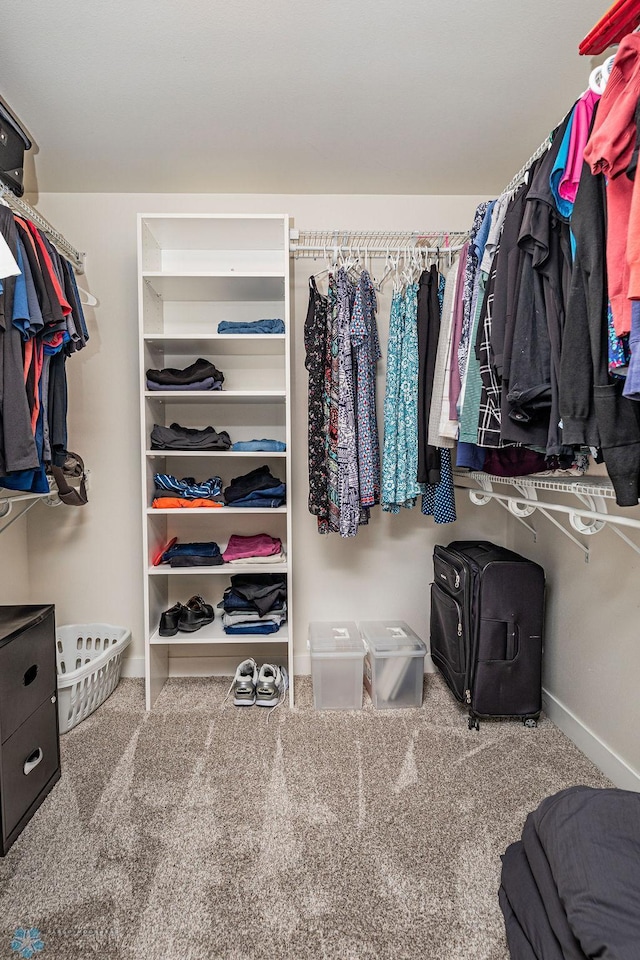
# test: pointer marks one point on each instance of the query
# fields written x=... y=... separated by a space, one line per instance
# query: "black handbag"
x=13 y=143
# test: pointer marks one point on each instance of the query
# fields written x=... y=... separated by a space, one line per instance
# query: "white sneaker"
x=244 y=683
x=272 y=685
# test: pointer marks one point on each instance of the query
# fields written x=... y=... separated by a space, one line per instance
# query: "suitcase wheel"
x=474 y=723
x=530 y=722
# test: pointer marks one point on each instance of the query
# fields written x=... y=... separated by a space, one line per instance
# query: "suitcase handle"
x=513 y=640
x=32 y=761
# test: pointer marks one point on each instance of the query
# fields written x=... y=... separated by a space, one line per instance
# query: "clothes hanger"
x=86 y=298
x=388 y=270
x=599 y=76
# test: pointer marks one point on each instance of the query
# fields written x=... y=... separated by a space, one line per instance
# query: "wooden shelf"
x=234 y=454
x=221 y=569
x=217 y=344
x=213 y=511
x=216 y=396
x=214 y=634
x=220 y=286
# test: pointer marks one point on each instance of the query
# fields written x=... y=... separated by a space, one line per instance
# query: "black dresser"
x=29 y=739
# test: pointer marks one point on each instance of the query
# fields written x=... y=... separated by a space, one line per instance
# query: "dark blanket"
x=571 y=888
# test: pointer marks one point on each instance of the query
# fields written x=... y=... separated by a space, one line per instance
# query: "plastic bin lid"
x=334 y=639
x=390 y=638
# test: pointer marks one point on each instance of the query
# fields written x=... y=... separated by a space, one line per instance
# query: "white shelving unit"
x=195 y=270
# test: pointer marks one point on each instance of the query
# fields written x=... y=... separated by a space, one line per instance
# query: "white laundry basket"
x=89 y=658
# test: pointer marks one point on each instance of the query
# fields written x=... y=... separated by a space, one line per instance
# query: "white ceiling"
x=290 y=96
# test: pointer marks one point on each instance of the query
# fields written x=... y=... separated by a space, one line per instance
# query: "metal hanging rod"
x=540 y=152
x=24 y=209
x=375 y=243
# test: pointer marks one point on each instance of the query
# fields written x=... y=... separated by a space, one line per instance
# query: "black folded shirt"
x=176 y=437
x=199 y=370
x=259 y=479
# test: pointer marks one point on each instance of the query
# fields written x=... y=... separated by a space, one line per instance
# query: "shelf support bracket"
x=26 y=501
x=587 y=517
x=519 y=511
x=6 y=506
x=526 y=507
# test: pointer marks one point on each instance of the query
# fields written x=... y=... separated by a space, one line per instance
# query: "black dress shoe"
x=169 y=621
x=195 y=614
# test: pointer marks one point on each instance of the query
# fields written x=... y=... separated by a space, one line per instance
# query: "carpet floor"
x=203 y=831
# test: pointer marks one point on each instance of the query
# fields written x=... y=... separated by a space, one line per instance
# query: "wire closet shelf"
x=24 y=209
x=319 y=244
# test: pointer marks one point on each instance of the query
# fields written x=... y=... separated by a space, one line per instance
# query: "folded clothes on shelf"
x=196 y=561
x=250 y=622
x=262 y=498
x=263 y=561
x=258 y=546
x=252 y=326
x=259 y=628
x=176 y=437
x=233 y=601
x=195 y=373
x=208 y=384
x=199 y=554
x=188 y=487
x=246 y=616
x=258 y=488
x=261 y=592
x=265 y=445
x=172 y=503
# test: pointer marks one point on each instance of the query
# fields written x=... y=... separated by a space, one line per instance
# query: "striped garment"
x=188 y=488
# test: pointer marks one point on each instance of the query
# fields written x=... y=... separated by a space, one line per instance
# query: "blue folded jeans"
x=253 y=326
x=268 y=445
x=208 y=549
x=257 y=501
x=253 y=627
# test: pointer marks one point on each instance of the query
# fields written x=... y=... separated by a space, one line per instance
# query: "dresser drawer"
x=27 y=674
x=29 y=759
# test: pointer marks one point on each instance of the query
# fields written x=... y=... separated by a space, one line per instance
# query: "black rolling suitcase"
x=487 y=613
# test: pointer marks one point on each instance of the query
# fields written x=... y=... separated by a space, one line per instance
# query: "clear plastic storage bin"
x=394 y=663
x=337 y=655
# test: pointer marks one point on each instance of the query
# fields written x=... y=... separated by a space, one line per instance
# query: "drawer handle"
x=32 y=761
x=30 y=675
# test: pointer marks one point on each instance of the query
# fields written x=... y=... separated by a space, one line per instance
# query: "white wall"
x=14 y=565
x=91 y=556
x=592 y=647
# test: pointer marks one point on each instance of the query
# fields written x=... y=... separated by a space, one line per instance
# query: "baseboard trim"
x=133 y=667
x=606 y=759
x=222 y=666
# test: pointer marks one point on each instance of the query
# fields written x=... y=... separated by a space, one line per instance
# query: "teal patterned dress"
x=400 y=451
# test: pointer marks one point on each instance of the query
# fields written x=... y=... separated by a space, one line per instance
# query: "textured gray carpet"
x=202 y=830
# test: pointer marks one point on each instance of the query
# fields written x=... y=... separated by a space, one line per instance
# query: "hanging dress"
x=400 y=458
x=330 y=402
x=348 y=481
x=314 y=342
x=438 y=500
x=392 y=405
x=366 y=353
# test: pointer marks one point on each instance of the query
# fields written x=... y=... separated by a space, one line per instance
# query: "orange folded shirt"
x=169 y=503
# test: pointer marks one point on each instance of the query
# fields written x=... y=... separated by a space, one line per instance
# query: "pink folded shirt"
x=244 y=548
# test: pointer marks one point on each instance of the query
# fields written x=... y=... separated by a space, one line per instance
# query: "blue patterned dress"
x=400 y=454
